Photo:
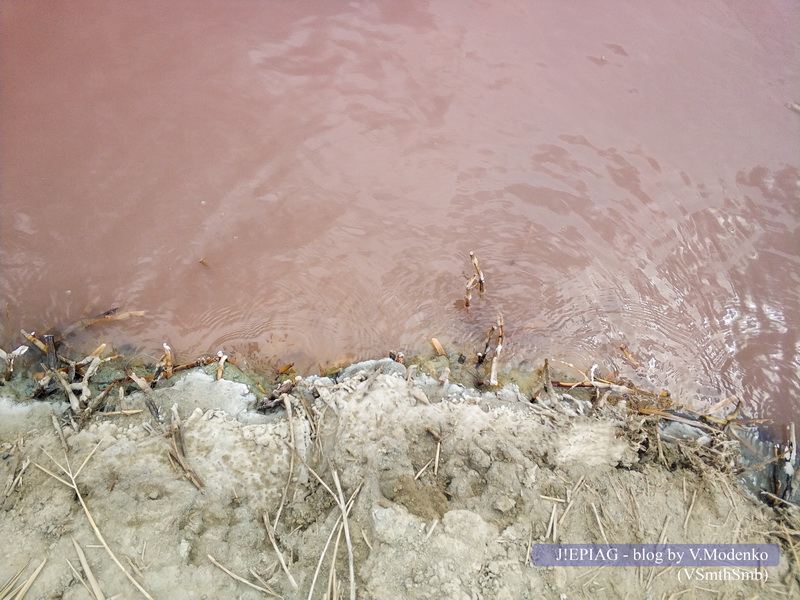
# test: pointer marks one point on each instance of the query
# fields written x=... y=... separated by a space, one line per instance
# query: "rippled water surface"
x=627 y=173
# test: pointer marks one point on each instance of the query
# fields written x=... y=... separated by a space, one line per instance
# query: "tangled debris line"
x=87 y=385
x=718 y=441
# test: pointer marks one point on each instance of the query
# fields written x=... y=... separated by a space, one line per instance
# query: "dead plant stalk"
x=337 y=528
x=288 y=404
x=274 y=543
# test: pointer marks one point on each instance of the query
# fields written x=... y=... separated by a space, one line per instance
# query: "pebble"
x=504 y=504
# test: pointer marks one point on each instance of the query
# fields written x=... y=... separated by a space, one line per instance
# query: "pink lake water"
x=627 y=173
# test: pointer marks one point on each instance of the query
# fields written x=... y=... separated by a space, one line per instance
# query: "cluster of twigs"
x=73 y=377
x=60 y=373
x=341 y=527
x=718 y=433
x=494 y=337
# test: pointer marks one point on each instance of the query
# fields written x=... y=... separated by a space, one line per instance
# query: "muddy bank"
x=449 y=489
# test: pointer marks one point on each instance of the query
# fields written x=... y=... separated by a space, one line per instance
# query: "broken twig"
x=497 y=349
x=478 y=272
x=271 y=535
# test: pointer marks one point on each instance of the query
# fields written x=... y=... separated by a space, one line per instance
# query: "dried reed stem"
x=343 y=507
x=478 y=272
x=235 y=576
x=322 y=556
x=274 y=543
x=552 y=524
x=141 y=382
x=423 y=469
x=364 y=535
x=433 y=526
x=599 y=522
x=60 y=432
x=572 y=499
x=336 y=528
x=547 y=381
x=689 y=513
x=221 y=364
x=791 y=547
x=661 y=539
x=9 y=592
x=552 y=499
x=96 y=591
x=73 y=399
x=779 y=499
x=264 y=583
x=78 y=576
x=288 y=406
x=498 y=348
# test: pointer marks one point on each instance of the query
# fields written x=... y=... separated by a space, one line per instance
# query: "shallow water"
x=627 y=173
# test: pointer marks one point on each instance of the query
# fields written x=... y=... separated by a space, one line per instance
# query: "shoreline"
x=451 y=487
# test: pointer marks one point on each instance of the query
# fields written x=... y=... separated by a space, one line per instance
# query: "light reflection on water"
x=626 y=175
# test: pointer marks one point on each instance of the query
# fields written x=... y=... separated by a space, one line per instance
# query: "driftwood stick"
x=51 y=359
x=437 y=346
x=482 y=355
x=177 y=430
x=109 y=315
x=31 y=337
x=168 y=366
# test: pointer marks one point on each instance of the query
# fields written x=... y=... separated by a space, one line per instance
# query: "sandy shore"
x=448 y=488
